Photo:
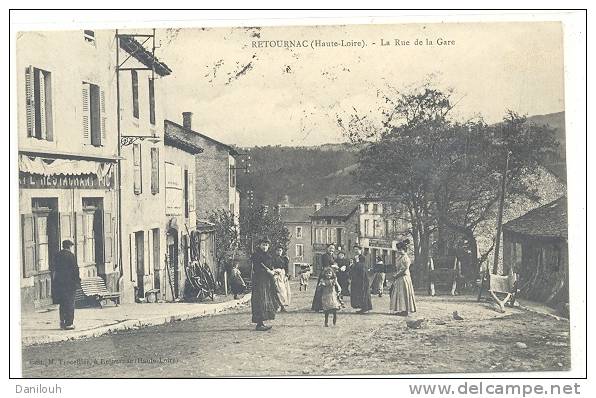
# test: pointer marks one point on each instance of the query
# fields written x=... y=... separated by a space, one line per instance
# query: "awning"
x=48 y=167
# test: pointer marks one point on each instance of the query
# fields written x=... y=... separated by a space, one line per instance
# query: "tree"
x=226 y=235
x=445 y=172
x=260 y=221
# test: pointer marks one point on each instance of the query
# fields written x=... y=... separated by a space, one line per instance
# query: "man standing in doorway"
x=66 y=280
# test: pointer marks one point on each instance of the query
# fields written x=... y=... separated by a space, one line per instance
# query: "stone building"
x=67 y=139
x=300 y=248
x=143 y=185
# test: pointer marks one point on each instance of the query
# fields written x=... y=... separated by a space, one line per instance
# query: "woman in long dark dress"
x=360 y=287
x=327 y=260
x=264 y=302
x=343 y=273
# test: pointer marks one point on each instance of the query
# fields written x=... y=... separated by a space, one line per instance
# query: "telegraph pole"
x=500 y=214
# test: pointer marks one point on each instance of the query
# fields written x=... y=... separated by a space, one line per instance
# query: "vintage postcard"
x=337 y=199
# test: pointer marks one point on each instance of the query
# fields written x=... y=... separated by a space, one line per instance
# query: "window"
x=38 y=87
x=154 y=170
x=94 y=115
x=375 y=228
x=298 y=232
x=135 y=93
x=232 y=176
x=89 y=236
x=328 y=235
x=138 y=171
x=366 y=227
x=89 y=36
x=375 y=208
x=41 y=233
x=387 y=228
x=299 y=250
x=394 y=222
x=366 y=207
x=152 y=101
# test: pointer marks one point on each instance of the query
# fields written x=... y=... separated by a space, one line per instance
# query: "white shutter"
x=86 y=114
x=133 y=257
x=103 y=118
x=30 y=94
x=42 y=104
x=150 y=259
x=191 y=191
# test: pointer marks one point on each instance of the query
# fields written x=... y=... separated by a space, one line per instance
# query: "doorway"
x=140 y=261
x=172 y=263
x=47 y=244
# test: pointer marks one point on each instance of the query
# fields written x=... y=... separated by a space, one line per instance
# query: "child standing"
x=236 y=282
x=330 y=291
x=304 y=277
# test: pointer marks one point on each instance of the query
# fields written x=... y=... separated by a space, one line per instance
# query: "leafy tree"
x=445 y=172
x=261 y=221
x=226 y=235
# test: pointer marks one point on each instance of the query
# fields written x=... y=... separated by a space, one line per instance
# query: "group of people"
x=339 y=277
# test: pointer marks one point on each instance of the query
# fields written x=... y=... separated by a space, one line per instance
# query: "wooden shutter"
x=80 y=238
x=40 y=76
x=151 y=101
x=30 y=100
x=102 y=106
x=135 y=93
x=86 y=114
x=95 y=114
x=154 y=170
x=138 y=176
x=28 y=237
x=132 y=257
x=108 y=237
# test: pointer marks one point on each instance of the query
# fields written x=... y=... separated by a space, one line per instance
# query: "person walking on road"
x=281 y=270
x=360 y=289
x=66 y=280
x=264 y=301
x=343 y=273
x=327 y=260
x=330 y=291
x=402 y=300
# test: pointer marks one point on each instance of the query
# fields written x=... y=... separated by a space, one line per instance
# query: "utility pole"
x=500 y=214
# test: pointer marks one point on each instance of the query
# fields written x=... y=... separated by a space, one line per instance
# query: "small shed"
x=535 y=247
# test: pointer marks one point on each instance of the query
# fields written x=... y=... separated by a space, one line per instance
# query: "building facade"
x=336 y=222
x=144 y=233
x=382 y=224
x=180 y=211
x=300 y=247
x=215 y=174
x=67 y=134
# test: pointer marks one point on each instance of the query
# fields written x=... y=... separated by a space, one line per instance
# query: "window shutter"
x=86 y=114
x=108 y=240
x=138 y=182
x=132 y=257
x=80 y=238
x=135 y=93
x=102 y=101
x=42 y=105
x=95 y=106
x=151 y=101
x=154 y=170
x=28 y=237
x=30 y=94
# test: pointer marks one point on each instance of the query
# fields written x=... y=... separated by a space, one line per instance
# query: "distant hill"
x=305 y=174
x=309 y=174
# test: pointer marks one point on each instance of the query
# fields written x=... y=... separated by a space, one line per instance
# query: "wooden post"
x=500 y=215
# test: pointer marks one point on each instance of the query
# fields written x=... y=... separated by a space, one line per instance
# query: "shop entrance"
x=90 y=237
x=47 y=244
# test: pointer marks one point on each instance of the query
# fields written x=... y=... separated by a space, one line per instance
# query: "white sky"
x=292 y=96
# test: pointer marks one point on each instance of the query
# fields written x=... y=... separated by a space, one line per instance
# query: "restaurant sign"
x=61 y=181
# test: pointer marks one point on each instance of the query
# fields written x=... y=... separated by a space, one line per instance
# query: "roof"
x=232 y=151
x=178 y=138
x=340 y=206
x=144 y=56
x=296 y=214
x=548 y=221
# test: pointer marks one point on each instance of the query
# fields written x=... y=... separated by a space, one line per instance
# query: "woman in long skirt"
x=281 y=272
x=379 y=278
x=327 y=260
x=402 y=300
x=264 y=302
x=360 y=289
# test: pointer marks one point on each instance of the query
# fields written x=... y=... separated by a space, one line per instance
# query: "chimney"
x=187 y=120
x=317 y=206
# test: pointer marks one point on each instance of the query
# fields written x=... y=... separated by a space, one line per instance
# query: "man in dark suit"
x=66 y=280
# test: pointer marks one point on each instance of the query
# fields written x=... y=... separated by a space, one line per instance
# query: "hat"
x=264 y=240
x=403 y=245
x=66 y=243
x=356 y=247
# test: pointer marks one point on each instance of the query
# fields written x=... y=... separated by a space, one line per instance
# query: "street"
x=299 y=345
